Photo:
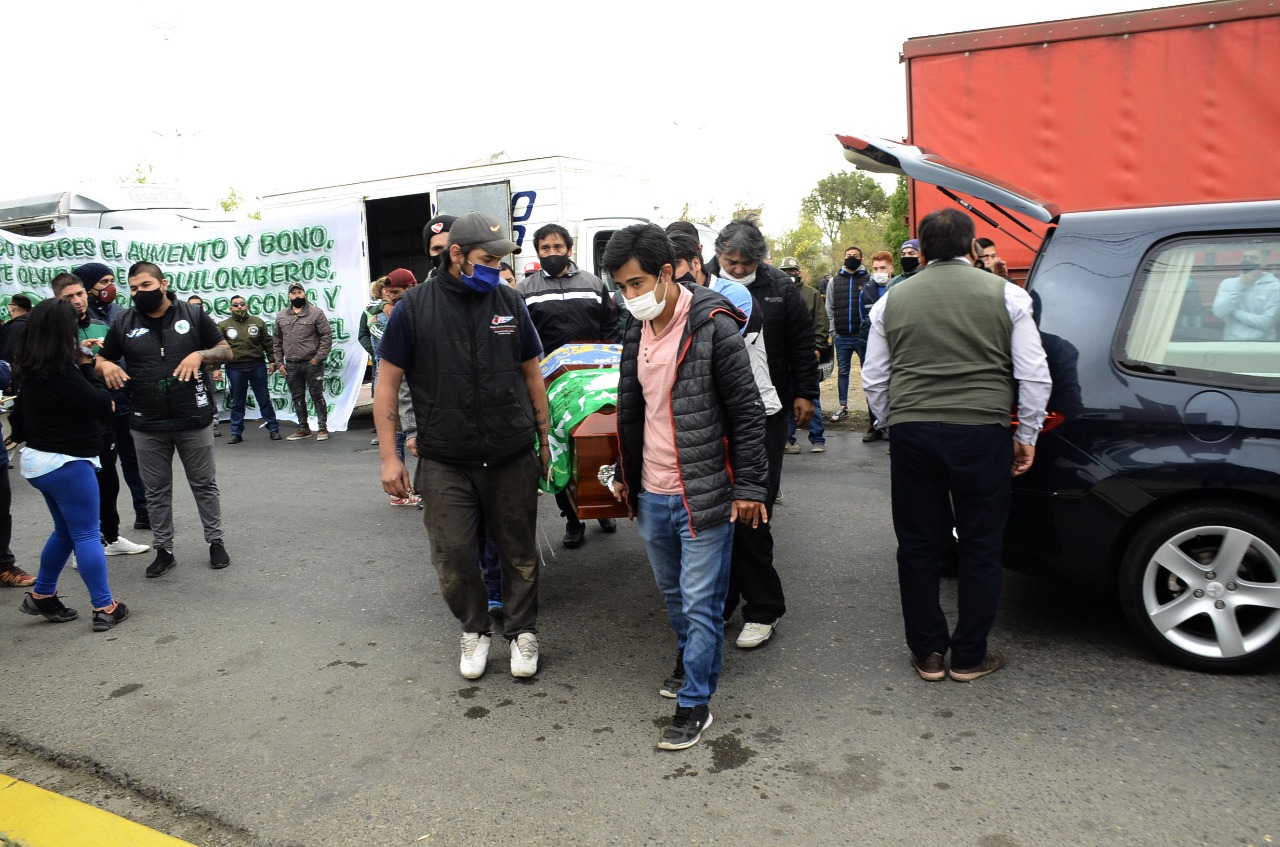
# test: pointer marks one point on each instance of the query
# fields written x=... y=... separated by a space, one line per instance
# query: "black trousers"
x=108 y=489
x=7 y=559
x=933 y=468
x=752 y=576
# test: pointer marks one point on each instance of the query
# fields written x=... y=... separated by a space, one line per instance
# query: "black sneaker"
x=609 y=524
x=686 y=728
x=164 y=562
x=235 y=438
x=218 y=558
x=671 y=685
x=873 y=434
x=574 y=535
x=275 y=435
x=141 y=520
x=50 y=607
x=103 y=621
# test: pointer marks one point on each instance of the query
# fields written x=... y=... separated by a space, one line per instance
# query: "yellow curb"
x=34 y=817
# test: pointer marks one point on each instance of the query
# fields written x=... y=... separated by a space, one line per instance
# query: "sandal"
x=16 y=577
x=50 y=607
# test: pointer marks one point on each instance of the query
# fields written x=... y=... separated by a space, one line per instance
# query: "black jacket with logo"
x=152 y=349
x=788 y=335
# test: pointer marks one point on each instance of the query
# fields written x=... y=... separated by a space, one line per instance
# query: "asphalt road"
x=309 y=693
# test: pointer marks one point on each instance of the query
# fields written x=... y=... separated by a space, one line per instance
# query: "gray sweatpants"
x=155 y=462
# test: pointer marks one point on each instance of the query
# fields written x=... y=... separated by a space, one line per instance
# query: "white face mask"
x=646 y=307
x=745 y=280
x=880 y=278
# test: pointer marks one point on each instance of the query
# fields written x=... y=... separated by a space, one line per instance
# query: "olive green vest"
x=950 y=338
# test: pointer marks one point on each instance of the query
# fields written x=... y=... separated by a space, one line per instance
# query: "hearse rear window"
x=1207 y=309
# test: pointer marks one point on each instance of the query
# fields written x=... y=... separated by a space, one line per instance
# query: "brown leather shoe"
x=930 y=669
x=992 y=662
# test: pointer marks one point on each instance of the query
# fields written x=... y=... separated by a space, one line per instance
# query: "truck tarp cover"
x=1172 y=114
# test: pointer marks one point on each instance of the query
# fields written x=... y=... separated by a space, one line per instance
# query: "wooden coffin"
x=594 y=442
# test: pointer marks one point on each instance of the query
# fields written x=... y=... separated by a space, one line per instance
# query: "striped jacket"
x=575 y=307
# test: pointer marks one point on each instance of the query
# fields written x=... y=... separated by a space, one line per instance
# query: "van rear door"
x=887 y=157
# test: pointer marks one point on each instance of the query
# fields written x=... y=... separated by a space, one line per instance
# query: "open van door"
x=886 y=157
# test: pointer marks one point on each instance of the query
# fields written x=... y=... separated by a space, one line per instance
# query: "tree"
x=805 y=243
x=144 y=173
x=899 y=208
x=840 y=197
x=231 y=201
x=867 y=233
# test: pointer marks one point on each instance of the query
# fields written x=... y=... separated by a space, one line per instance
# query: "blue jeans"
x=241 y=379
x=846 y=346
x=693 y=575
x=817 y=431
x=71 y=492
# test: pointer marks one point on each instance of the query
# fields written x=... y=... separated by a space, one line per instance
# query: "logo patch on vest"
x=182 y=327
x=233 y=333
x=253 y=331
x=137 y=333
x=773 y=299
x=502 y=324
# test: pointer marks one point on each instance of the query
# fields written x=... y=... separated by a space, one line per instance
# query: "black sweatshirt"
x=65 y=413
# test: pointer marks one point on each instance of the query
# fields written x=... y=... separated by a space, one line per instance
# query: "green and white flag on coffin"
x=571 y=398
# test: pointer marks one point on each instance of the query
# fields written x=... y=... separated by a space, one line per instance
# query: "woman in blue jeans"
x=691 y=434
x=61 y=415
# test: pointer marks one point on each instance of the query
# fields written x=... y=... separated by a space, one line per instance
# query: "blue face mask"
x=484 y=278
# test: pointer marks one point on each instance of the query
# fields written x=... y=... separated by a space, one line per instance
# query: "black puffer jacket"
x=788 y=333
x=714 y=400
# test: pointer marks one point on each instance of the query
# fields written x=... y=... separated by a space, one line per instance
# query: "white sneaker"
x=524 y=655
x=475 y=653
x=71 y=560
x=755 y=634
x=124 y=547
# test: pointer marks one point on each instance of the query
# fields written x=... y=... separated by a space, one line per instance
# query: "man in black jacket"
x=685 y=391
x=470 y=354
x=845 y=319
x=166 y=345
x=793 y=367
x=567 y=305
x=100 y=286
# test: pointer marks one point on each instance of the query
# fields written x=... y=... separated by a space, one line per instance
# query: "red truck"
x=1163 y=106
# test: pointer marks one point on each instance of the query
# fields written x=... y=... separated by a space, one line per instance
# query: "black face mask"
x=688 y=277
x=148 y=301
x=298 y=302
x=795 y=278
x=437 y=260
x=852 y=263
x=910 y=263
x=554 y=265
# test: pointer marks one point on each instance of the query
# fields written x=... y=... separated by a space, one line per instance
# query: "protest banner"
x=322 y=251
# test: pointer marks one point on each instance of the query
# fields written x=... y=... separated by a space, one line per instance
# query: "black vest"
x=842 y=293
x=153 y=347
x=469 y=395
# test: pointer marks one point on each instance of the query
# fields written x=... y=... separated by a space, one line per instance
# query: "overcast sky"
x=716 y=103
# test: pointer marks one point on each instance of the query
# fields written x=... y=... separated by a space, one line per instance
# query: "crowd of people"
x=720 y=369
